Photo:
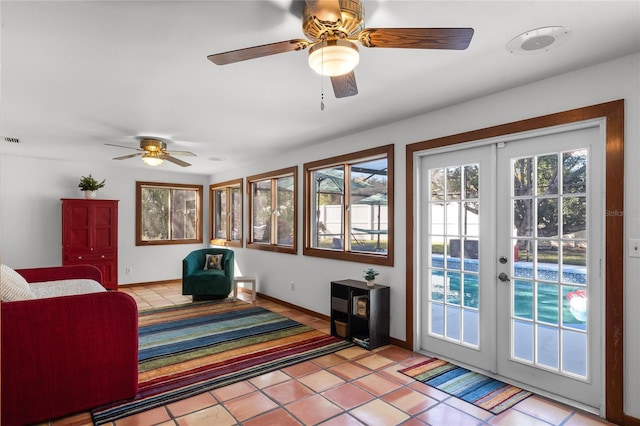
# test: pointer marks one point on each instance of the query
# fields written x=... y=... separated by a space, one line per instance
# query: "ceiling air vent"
x=12 y=140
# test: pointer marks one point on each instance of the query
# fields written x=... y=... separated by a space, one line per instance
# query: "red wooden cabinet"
x=90 y=236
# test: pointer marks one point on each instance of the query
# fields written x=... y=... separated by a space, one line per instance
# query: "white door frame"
x=613 y=112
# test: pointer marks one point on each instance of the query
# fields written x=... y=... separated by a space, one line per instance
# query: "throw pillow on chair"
x=213 y=261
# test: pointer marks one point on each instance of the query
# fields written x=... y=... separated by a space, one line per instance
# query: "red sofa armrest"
x=67 y=354
x=56 y=273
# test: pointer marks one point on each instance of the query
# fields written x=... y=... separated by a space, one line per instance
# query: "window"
x=272 y=211
x=225 y=207
x=168 y=213
x=349 y=207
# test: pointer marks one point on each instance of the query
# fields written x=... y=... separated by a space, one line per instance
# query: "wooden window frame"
x=199 y=190
x=273 y=176
x=228 y=186
x=385 y=259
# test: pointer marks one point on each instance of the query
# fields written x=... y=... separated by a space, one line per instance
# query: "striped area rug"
x=482 y=391
x=188 y=349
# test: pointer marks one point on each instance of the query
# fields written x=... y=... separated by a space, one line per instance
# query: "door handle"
x=503 y=277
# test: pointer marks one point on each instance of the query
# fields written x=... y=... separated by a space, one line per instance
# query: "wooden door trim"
x=613 y=113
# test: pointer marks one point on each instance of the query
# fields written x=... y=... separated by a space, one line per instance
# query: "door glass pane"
x=547 y=303
x=574 y=261
x=547 y=257
x=547 y=217
x=471 y=181
x=452 y=215
x=436 y=213
x=470 y=225
x=453 y=228
x=436 y=319
x=547 y=172
x=574 y=216
x=523 y=340
x=452 y=287
x=574 y=352
x=437 y=285
x=549 y=295
x=523 y=217
x=523 y=258
x=471 y=327
x=574 y=307
x=523 y=176
x=523 y=299
x=437 y=184
x=452 y=323
x=454 y=251
x=454 y=188
x=574 y=172
x=470 y=291
x=437 y=251
x=547 y=346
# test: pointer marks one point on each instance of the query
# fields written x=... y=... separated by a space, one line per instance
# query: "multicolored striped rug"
x=188 y=349
x=482 y=391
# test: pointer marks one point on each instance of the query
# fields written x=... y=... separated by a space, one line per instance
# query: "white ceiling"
x=79 y=74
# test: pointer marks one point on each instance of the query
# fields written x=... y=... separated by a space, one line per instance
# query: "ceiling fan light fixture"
x=333 y=57
x=152 y=159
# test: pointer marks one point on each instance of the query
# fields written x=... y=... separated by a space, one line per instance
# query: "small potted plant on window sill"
x=370 y=277
x=89 y=186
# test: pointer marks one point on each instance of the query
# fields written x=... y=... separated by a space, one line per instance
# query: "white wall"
x=618 y=79
x=30 y=190
x=31 y=215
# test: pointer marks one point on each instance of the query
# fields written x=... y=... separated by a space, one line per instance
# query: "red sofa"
x=66 y=354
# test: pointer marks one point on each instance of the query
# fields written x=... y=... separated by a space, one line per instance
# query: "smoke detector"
x=538 y=40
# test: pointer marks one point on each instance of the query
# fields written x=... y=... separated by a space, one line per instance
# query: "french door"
x=511 y=278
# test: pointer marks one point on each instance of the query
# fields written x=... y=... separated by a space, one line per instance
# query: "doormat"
x=475 y=388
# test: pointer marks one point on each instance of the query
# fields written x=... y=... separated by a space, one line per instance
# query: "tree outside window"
x=168 y=213
x=349 y=207
x=226 y=213
x=272 y=211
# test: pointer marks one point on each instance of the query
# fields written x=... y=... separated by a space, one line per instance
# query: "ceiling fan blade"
x=185 y=153
x=122 y=146
x=344 y=85
x=325 y=10
x=257 y=51
x=124 y=157
x=176 y=161
x=417 y=38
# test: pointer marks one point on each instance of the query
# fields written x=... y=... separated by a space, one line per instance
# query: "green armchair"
x=204 y=283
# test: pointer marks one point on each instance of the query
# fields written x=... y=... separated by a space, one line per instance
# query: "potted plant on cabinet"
x=370 y=277
x=89 y=185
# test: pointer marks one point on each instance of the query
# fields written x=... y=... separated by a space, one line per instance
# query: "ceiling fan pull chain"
x=322 y=84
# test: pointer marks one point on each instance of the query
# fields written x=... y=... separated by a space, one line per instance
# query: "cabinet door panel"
x=79 y=239
x=90 y=236
x=104 y=239
x=79 y=215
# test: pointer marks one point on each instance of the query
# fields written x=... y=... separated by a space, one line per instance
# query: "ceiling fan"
x=332 y=28
x=154 y=152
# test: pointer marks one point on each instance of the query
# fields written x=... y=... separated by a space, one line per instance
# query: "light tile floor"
x=350 y=387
